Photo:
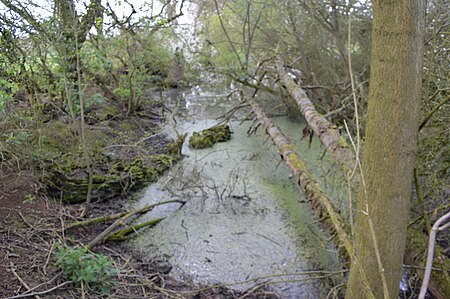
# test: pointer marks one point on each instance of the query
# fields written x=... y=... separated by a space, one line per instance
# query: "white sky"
x=44 y=8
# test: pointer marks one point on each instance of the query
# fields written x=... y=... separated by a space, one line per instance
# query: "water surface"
x=244 y=218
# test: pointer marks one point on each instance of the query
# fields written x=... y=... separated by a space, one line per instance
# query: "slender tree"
x=390 y=147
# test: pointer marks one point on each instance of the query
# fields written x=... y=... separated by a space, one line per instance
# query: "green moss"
x=162 y=162
x=69 y=181
x=174 y=147
x=67 y=176
x=209 y=137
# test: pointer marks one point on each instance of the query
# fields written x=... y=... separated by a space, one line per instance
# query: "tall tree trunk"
x=390 y=147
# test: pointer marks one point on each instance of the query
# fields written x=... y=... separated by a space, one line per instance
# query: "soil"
x=22 y=224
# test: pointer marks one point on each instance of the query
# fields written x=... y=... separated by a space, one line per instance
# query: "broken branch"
x=103 y=236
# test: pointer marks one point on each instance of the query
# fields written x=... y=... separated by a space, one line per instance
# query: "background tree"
x=56 y=52
x=310 y=36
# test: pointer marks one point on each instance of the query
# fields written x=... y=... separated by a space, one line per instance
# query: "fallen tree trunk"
x=312 y=190
x=325 y=130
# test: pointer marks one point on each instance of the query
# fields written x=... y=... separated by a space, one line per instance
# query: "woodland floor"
x=29 y=228
x=31 y=222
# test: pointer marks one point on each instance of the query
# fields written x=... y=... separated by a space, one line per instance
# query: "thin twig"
x=41 y=293
x=20 y=279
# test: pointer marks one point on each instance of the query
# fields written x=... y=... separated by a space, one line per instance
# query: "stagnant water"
x=245 y=218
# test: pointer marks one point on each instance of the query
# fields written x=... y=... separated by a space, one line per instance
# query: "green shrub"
x=81 y=266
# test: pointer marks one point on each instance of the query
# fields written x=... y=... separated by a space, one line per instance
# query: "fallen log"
x=123 y=219
x=124 y=234
x=312 y=190
x=326 y=131
x=95 y=220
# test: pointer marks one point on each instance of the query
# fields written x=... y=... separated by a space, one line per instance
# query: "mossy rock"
x=209 y=137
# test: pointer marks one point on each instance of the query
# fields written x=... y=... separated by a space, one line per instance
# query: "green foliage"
x=96 y=60
x=96 y=99
x=8 y=86
x=81 y=266
x=128 y=63
x=123 y=93
x=161 y=22
x=29 y=198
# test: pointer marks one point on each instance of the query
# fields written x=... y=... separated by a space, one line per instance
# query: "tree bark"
x=390 y=147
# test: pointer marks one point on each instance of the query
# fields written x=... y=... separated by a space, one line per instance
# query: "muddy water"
x=244 y=222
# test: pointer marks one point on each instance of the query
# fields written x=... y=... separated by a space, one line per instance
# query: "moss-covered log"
x=101 y=219
x=325 y=130
x=312 y=190
x=341 y=153
x=124 y=234
x=70 y=182
x=123 y=220
x=107 y=218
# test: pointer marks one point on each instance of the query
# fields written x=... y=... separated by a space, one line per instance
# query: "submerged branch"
x=123 y=234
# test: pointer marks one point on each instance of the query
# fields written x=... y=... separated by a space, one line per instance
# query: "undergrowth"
x=84 y=268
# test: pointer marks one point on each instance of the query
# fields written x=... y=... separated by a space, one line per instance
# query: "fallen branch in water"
x=95 y=220
x=326 y=131
x=121 y=221
x=341 y=153
x=312 y=190
x=123 y=234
